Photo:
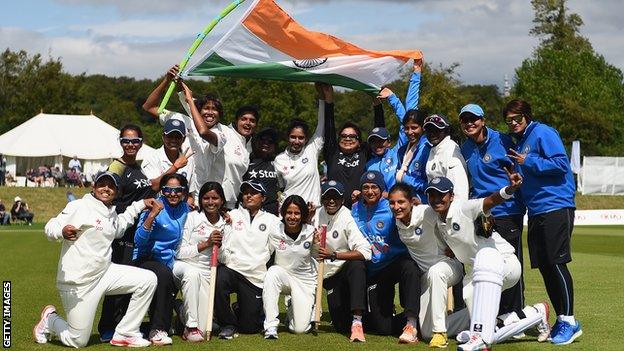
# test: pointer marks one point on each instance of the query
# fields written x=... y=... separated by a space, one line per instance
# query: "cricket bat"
x=211 y=293
x=450 y=301
x=319 y=282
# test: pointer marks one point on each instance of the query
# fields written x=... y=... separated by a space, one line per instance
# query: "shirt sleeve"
x=317 y=138
x=407 y=234
x=186 y=249
x=456 y=173
x=150 y=166
x=141 y=236
x=473 y=208
x=331 y=143
x=552 y=160
x=357 y=241
x=126 y=219
x=413 y=92
x=54 y=228
x=117 y=168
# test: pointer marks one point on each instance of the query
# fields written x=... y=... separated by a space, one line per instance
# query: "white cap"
x=17 y=198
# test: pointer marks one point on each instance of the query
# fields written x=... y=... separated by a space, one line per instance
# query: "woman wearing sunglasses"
x=155 y=242
x=133 y=186
x=202 y=230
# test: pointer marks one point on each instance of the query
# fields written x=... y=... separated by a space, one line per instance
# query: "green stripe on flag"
x=215 y=65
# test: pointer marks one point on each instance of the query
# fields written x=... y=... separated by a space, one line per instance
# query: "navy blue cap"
x=379 y=132
x=472 y=108
x=332 y=185
x=175 y=125
x=108 y=174
x=440 y=184
x=374 y=177
x=270 y=133
x=438 y=121
x=254 y=185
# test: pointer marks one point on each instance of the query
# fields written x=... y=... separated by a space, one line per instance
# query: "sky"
x=142 y=38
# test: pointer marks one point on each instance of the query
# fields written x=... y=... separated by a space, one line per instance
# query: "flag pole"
x=196 y=43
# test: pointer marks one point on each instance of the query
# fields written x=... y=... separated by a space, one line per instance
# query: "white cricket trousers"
x=81 y=304
x=195 y=285
x=279 y=281
x=433 y=299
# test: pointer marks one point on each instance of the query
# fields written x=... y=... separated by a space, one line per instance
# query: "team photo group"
x=405 y=232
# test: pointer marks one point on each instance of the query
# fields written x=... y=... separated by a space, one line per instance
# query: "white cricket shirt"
x=296 y=256
x=156 y=163
x=197 y=228
x=446 y=160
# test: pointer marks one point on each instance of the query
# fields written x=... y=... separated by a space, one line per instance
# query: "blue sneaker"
x=566 y=333
x=106 y=335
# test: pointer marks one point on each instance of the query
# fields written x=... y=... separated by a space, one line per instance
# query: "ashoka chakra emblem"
x=309 y=63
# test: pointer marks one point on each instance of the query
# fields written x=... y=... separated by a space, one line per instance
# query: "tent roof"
x=85 y=136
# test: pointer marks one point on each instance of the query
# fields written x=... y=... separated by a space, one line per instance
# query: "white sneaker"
x=271 y=333
x=160 y=338
x=543 y=327
x=192 y=335
x=129 y=341
x=41 y=328
x=474 y=344
x=463 y=337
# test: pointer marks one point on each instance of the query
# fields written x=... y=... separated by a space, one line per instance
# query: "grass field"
x=30 y=261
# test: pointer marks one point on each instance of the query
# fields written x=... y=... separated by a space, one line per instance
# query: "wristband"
x=504 y=194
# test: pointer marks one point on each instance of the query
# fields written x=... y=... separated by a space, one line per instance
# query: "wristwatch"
x=333 y=256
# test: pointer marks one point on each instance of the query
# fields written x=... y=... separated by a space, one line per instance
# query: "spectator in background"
x=75 y=163
x=20 y=211
x=58 y=176
x=70 y=196
x=2 y=170
x=73 y=178
x=5 y=217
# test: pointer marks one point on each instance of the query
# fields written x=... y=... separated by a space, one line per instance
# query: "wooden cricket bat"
x=450 y=301
x=211 y=293
x=319 y=282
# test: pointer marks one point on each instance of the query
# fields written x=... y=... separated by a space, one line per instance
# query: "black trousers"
x=346 y=292
x=510 y=228
x=249 y=315
x=161 y=309
x=380 y=318
x=114 y=307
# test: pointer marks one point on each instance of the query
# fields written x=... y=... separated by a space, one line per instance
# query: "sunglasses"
x=349 y=137
x=514 y=118
x=134 y=141
x=173 y=189
x=469 y=119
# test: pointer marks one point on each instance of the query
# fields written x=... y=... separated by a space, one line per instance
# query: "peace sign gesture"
x=516 y=156
x=182 y=160
x=515 y=179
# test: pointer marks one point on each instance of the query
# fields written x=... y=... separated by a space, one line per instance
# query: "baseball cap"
x=17 y=198
x=472 y=108
x=440 y=184
x=332 y=185
x=108 y=174
x=174 y=125
x=374 y=177
x=254 y=185
x=379 y=132
x=438 y=121
x=270 y=133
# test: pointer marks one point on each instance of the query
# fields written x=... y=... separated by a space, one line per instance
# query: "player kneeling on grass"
x=489 y=260
x=191 y=268
x=87 y=227
x=294 y=272
x=345 y=273
x=416 y=230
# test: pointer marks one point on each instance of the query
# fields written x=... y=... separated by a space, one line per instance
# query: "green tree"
x=556 y=27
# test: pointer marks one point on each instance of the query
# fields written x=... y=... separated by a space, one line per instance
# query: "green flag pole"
x=196 y=43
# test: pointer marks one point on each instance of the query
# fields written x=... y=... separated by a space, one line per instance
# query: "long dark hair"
x=209 y=186
x=299 y=202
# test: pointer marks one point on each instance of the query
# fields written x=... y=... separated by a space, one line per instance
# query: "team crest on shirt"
x=527 y=148
x=262 y=227
x=418 y=231
x=487 y=158
x=417 y=166
x=282 y=245
x=304 y=161
x=335 y=234
x=456 y=226
x=388 y=160
x=380 y=224
x=306 y=245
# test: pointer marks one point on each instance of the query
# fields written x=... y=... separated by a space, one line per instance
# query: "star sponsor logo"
x=253 y=174
x=238 y=225
x=282 y=245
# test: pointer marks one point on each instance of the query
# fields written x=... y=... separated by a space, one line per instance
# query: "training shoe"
x=409 y=335
x=41 y=328
x=543 y=328
x=228 y=332
x=129 y=341
x=271 y=334
x=192 y=335
x=438 y=341
x=567 y=333
x=160 y=337
x=106 y=335
x=357 y=333
x=463 y=337
x=474 y=344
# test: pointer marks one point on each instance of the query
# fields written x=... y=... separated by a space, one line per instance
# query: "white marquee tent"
x=47 y=139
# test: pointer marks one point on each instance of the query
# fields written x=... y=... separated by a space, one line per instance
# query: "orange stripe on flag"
x=276 y=28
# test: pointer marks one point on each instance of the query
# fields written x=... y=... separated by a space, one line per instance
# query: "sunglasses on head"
x=173 y=189
x=134 y=141
x=514 y=118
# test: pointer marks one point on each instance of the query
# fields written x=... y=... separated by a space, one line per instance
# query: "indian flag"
x=268 y=44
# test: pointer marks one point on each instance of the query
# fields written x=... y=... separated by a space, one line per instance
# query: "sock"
x=357 y=319
x=412 y=322
x=570 y=319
